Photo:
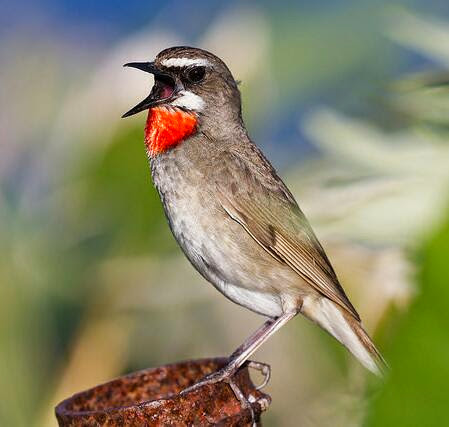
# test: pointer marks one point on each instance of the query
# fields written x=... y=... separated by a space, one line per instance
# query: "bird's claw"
x=244 y=402
x=226 y=375
x=215 y=377
x=263 y=368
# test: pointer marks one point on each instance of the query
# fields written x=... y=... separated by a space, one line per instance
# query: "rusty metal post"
x=151 y=398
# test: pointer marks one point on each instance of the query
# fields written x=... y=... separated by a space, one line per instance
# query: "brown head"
x=193 y=90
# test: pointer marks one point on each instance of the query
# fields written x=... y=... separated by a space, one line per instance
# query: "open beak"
x=163 y=88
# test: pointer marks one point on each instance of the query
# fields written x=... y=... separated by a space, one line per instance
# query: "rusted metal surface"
x=151 y=398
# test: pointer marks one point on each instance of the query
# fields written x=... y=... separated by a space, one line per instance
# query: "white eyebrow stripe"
x=189 y=101
x=184 y=62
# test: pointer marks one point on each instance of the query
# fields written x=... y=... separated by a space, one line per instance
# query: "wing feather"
x=271 y=216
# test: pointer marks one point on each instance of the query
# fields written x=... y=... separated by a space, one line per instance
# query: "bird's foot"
x=263 y=368
x=223 y=374
x=226 y=374
x=244 y=402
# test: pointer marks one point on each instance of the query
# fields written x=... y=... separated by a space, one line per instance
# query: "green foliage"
x=120 y=189
x=417 y=390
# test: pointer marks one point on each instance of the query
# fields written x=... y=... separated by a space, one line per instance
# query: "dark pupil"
x=196 y=74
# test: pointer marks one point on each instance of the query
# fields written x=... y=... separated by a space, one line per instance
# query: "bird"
x=230 y=212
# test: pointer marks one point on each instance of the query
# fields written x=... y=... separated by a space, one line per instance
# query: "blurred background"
x=350 y=101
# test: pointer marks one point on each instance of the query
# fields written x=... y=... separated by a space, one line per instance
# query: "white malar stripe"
x=328 y=316
x=184 y=62
x=188 y=100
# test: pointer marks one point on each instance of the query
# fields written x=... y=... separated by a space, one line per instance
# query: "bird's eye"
x=196 y=74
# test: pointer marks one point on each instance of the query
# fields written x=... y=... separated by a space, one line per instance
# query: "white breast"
x=212 y=251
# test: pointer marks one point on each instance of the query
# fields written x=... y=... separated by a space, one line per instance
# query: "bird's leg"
x=240 y=356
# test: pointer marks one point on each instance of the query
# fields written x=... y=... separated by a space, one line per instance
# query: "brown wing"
x=257 y=199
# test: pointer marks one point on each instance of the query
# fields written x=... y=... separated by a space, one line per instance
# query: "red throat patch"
x=166 y=128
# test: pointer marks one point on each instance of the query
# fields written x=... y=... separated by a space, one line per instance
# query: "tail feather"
x=365 y=339
x=346 y=329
